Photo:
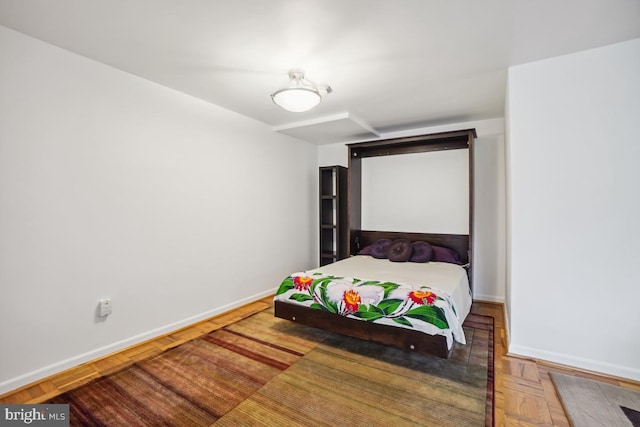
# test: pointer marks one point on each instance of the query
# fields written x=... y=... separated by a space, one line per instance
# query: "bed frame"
x=406 y=339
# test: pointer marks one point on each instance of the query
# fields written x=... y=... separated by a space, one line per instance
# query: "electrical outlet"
x=105 y=307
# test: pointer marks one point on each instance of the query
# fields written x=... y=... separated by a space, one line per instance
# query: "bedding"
x=445 y=255
x=422 y=252
x=377 y=250
x=400 y=250
x=433 y=298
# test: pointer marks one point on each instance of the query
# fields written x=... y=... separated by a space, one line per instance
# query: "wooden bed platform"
x=405 y=339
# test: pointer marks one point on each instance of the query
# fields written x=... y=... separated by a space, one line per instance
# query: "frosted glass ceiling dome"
x=301 y=95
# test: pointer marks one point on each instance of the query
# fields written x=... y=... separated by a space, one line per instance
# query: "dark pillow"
x=377 y=249
x=400 y=250
x=422 y=252
x=442 y=254
x=366 y=250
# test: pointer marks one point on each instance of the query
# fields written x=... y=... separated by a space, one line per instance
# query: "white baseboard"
x=489 y=298
x=39 y=374
x=577 y=362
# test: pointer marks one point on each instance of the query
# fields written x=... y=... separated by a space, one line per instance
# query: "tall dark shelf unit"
x=333 y=214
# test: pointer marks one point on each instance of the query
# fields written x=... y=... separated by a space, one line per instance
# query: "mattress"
x=433 y=297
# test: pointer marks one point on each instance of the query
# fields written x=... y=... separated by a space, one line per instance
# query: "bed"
x=305 y=297
x=416 y=306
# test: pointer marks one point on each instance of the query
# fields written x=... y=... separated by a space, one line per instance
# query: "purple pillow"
x=377 y=249
x=442 y=254
x=422 y=252
x=366 y=250
x=400 y=250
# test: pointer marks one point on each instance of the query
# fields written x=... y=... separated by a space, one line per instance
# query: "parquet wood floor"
x=524 y=393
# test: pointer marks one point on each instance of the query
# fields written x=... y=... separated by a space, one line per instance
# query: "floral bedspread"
x=407 y=306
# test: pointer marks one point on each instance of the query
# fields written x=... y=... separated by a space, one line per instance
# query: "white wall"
x=489 y=238
x=113 y=186
x=575 y=209
x=419 y=192
x=489 y=204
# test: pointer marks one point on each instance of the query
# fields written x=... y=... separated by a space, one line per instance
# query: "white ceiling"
x=392 y=64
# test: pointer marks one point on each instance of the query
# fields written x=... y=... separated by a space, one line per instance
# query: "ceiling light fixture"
x=301 y=94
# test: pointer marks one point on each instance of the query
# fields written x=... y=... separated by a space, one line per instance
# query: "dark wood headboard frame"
x=455 y=140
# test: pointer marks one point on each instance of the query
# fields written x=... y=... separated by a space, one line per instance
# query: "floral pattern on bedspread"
x=418 y=307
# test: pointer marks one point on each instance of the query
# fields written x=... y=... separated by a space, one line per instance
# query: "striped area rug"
x=266 y=371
